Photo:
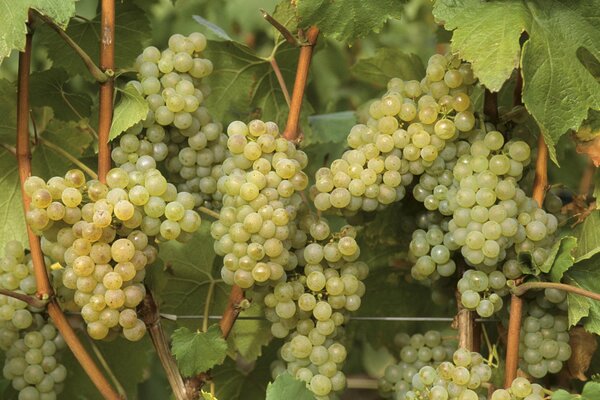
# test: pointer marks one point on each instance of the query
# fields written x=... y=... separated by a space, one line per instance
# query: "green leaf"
x=197 y=352
x=248 y=336
x=388 y=63
x=349 y=19
x=8 y=110
x=207 y=396
x=12 y=218
x=244 y=86
x=588 y=237
x=47 y=161
x=560 y=258
x=129 y=361
x=330 y=128
x=216 y=29
x=131 y=109
x=585 y=275
x=558 y=88
x=591 y=391
x=286 y=387
x=14 y=18
x=51 y=88
x=132 y=28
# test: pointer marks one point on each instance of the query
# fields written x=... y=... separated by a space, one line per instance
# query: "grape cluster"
x=309 y=310
x=104 y=234
x=463 y=378
x=30 y=341
x=416 y=352
x=520 y=389
x=256 y=228
x=406 y=131
x=544 y=342
x=178 y=132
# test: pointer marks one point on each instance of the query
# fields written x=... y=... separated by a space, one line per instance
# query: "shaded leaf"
x=560 y=258
x=197 y=352
x=131 y=109
x=8 y=110
x=375 y=361
x=12 y=218
x=591 y=391
x=388 y=63
x=585 y=275
x=248 y=336
x=14 y=18
x=330 y=128
x=51 y=89
x=349 y=19
x=487 y=34
x=588 y=237
x=286 y=387
x=131 y=29
x=583 y=346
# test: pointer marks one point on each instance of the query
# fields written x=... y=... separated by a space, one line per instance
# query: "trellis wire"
x=173 y=317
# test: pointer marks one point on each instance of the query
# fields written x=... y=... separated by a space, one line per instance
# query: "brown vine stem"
x=107 y=64
x=96 y=72
x=291 y=129
x=516 y=302
x=232 y=311
x=284 y=89
x=523 y=288
x=31 y=300
x=151 y=317
x=280 y=27
x=44 y=289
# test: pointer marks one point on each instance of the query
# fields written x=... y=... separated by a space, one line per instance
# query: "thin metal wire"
x=173 y=317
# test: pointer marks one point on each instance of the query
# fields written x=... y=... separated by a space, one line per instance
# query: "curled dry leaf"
x=583 y=345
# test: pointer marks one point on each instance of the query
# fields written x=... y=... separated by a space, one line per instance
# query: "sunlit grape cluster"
x=415 y=352
x=30 y=341
x=179 y=132
x=256 y=228
x=104 y=235
x=407 y=130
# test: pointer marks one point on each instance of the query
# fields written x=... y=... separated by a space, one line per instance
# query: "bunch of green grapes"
x=310 y=309
x=31 y=342
x=178 y=132
x=520 y=389
x=256 y=228
x=105 y=234
x=415 y=352
x=406 y=131
x=544 y=341
x=464 y=378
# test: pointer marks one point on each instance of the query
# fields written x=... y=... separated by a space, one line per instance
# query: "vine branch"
x=520 y=290
x=44 y=288
x=31 y=300
x=95 y=71
x=280 y=27
x=107 y=65
x=291 y=129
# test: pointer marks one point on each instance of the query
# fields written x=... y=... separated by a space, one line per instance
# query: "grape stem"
x=94 y=70
x=107 y=369
x=291 y=129
x=10 y=149
x=280 y=27
x=44 y=289
x=209 y=212
x=31 y=300
x=516 y=302
x=107 y=64
x=284 y=89
x=151 y=317
x=523 y=288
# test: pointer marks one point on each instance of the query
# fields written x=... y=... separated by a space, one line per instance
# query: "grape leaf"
x=187 y=275
x=349 y=19
x=591 y=391
x=558 y=89
x=207 y=396
x=286 y=387
x=51 y=89
x=197 y=352
x=388 y=63
x=131 y=29
x=584 y=275
x=216 y=29
x=560 y=258
x=248 y=336
x=131 y=109
x=47 y=158
x=129 y=362
x=330 y=128
x=14 y=16
x=8 y=110
x=244 y=85
x=12 y=218
x=588 y=237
